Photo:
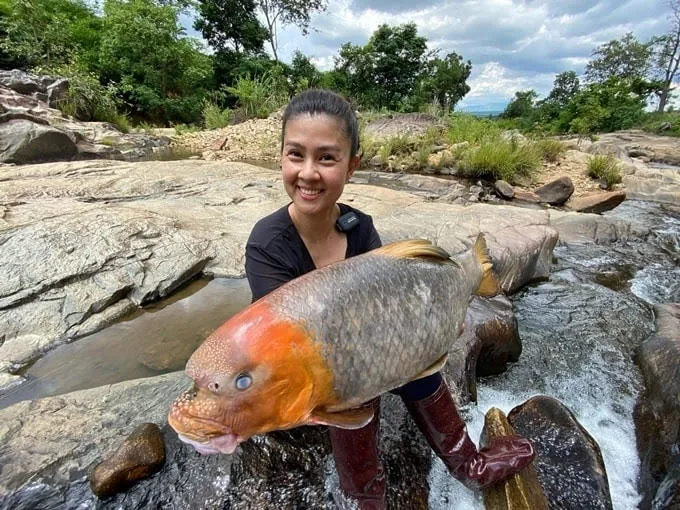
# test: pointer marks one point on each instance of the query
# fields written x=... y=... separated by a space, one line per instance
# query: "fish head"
x=255 y=374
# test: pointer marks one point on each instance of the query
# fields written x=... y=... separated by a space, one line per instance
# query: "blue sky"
x=513 y=44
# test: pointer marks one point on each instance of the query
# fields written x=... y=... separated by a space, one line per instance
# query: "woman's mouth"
x=309 y=193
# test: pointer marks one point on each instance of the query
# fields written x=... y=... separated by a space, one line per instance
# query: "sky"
x=513 y=44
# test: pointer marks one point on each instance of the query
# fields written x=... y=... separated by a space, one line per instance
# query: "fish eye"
x=243 y=381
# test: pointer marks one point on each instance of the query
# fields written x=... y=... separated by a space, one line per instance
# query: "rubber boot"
x=438 y=419
x=360 y=471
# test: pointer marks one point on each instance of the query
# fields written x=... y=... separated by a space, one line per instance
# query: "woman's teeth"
x=308 y=191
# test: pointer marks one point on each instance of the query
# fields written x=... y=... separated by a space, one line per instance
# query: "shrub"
x=550 y=149
x=182 y=129
x=260 y=96
x=464 y=127
x=214 y=117
x=496 y=158
x=606 y=168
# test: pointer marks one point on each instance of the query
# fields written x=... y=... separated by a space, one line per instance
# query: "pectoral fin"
x=348 y=419
x=433 y=368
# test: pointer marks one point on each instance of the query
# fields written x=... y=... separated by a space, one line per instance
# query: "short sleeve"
x=372 y=236
x=265 y=273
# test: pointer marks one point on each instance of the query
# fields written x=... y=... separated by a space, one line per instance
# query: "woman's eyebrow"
x=295 y=145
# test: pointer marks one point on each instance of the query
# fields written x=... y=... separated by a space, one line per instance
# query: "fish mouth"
x=225 y=443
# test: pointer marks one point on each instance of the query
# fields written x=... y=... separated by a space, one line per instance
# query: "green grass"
x=605 y=168
x=550 y=149
x=496 y=158
x=214 y=117
x=463 y=127
x=652 y=122
x=182 y=129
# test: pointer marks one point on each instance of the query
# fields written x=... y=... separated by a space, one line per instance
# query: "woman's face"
x=316 y=162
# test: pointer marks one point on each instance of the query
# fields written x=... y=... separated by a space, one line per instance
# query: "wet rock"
x=657 y=414
x=92 y=151
x=597 y=202
x=22 y=141
x=141 y=455
x=568 y=462
x=504 y=189
x=521 y=491
x=556 y=192
x=576 y=227
x=654 y=184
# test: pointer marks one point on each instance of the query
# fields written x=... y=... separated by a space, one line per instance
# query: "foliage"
x=260 y=96
x=163 y=85
x=303 y=73
x=625 y=58
x=666 y=56
x=550 y=149
x=521 y=105
x=605 y=168
x=496 y=158
x=653 y=121
x=446 y=83
x=215 y=117
x=463 y=127
x=182 y=129
x=288 y=12
x=231 y=24
x=49 y=32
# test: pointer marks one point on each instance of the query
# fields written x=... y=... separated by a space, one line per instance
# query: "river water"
x=579 y=331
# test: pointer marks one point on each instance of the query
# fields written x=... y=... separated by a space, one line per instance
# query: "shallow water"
x=155 y=340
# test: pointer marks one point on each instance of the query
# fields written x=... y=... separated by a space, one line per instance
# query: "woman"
x=319 y=154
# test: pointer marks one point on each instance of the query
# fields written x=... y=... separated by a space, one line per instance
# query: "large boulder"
x=23 y=141
x=658 y=410
x=654 y=185
x=47 y=89
x=556 y=192
x=560 y=440
x=597 y=202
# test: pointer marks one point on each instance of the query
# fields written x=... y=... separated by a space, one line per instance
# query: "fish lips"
x=226 y=443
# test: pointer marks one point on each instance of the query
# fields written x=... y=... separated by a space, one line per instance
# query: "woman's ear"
x=353 y=165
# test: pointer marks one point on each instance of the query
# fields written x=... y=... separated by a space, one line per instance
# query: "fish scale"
x=376 y=339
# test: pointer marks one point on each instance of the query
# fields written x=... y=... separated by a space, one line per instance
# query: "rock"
x=521 y=491
x=375 y=161
x=489 y=341
x=657 y=415
x=604 y=146
x=21 y=82
x=556 y=192
x=665 y=126
x=575 y=227
x=141 y=455
x=57 y=91
x=220 y=143
x=654 y=185
x=526 y=196
x=514 y=135
x=504 y=189
x=559 y=439
x=598 y=202
x=88 y=150
x=400 y=124
x=22 y=141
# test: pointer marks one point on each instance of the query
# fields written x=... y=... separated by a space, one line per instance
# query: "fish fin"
x=415 y=249
x=489 y=285
x=433 y=368
x=348 y=419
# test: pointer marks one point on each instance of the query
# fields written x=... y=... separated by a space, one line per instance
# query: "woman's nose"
x=308 y=170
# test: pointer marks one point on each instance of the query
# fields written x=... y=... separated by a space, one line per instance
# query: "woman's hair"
x=322 y=101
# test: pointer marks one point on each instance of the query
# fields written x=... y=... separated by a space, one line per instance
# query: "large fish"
x=316 y=348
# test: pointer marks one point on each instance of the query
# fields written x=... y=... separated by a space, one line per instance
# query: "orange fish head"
x=255 y=374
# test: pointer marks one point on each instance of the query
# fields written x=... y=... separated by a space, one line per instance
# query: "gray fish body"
x=381 y=320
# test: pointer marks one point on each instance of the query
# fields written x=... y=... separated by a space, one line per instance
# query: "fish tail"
x=489 y=285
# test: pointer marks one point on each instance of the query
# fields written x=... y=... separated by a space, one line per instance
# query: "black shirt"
x=276 y=254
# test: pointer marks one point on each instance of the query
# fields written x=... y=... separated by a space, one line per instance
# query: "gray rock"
x=597 y=202
x=57 y=91
x=21 y=82
x=23 y=141
x=556 y=192
x=555 y=433
x=504 y=189
x=654 y=185
x=657 y=416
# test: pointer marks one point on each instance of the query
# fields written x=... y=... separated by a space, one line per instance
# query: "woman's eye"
x=243 y=382
x=327 y=157
x=294 y=154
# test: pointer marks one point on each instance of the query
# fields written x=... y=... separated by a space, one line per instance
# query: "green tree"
x=49 y=32
x=303 y=72
x=565 y=86
x=386 y=71
x=448 y=82
x=625 y=58
x=522 y=104
x=288 y=12
x=231 y=24
x=667 y=56
x=165 y=84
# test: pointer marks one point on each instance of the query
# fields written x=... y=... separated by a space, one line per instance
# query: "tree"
x=303 y=73
x=386 y=71
x=288 y=12
x=522 y=104
x=49 y=32
x=565 y=86
x=448 y=81
x=667 y=56
x=231 y=24
x=625 y=58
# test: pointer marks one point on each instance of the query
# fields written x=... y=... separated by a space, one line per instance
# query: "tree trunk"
x=663 y=97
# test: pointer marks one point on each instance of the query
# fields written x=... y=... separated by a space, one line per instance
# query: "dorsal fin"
x=414 y=249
